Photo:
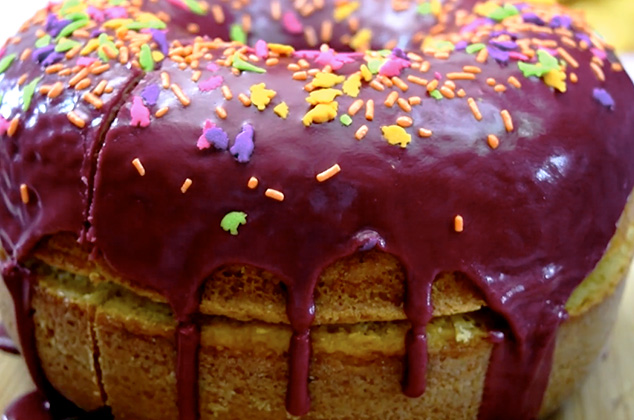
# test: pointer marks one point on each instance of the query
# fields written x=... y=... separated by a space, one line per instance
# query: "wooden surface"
x=608 y=394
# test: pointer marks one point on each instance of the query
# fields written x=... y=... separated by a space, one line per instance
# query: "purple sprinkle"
x=473 y=25
x=159 y=37
x=96 y=32
x=398 y=52
x=95 y=14
x=504 y=45
x=218 y=137
x=116 y=13
x=603 y=97
x=243 y=147
x=40 y=54
x=499 y=55
x=599 y=53
x=52 y=58
x=150 y=94
x=533 y=18
x=461 y=45
x=214 y=82
x=583 y=37
x=561 y=22
x=56 y=26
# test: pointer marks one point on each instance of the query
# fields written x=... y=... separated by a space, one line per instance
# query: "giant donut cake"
x=323 y=208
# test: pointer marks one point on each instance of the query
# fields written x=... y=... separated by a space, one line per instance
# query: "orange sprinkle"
x=13 y=126
x=196 y=75
x=293 y=67
x=404 y=122
x=450 y=84
x=461 y=93
x=326 y=31
x=400 y=83
x=482 y=55
x=226 y=92
x=404 y=104
x=328 y=173
x=447 y=93
x=124 y=55
x=79 y=77
x=474 y=109
x=493 y=141
x=499 y=88
x=70 y=54
x=93 y=100
x=425 y=66
x=246 y=101
x=514 y=82
x=56 y=90
x=472 y=69
x=274 y=194
x=355 y=107
x=161 y=112
x=491 y=81
x=64 y=72
x=24 y=193
x=566 y=56
x=377 y=85
x=423 y=132
x=165 y=80
x=417 y=80
x=54 y=68
x=109 y=89
x=83 y=84
x=22 y=79
x=100 y=69
x=101 y=86
x=253 y=183
x=361 y=132
x=441 y=55
x=300 y=75
x=598 y=71
x=508 y=121
x=180 y=95
x=391 y=99
x=369 y=110
x=76 y=119
x=45 y=89
x=25 y=54
x=139 y=166
x=221 y=112
x=110 y=53
x=414 y=100
x=431 y=86
x=461 y=76
x=617 y=67
x=188 y=183
x=458 y=223
x=218 y=13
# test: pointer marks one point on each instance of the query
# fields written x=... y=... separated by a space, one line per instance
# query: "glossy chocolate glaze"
x=539 y=210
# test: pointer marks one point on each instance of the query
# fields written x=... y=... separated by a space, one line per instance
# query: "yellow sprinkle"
x=556 y=79
x=328 y=173
x=344 y=10
x=327 y=80
x=260 y=96
x=116 y=23
x=281 y=110
x=321 y=113
x=361 y=40
x=323 y=96
x=91 y=46
x=281 y=49
x=157 y=56
x=366 y=73
x=352 y=85
x=396 y=135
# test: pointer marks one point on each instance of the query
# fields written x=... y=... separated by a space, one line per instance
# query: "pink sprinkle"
x=2 y=51
x=214 y=82
x=4 y=126
x=330 y=58
x=598 y=53
x=261 y=49
x=518 y=56
x=437 y=76
x=116 y=13
x=393 y=67
x=95 y=14
x=202 y=142
x=178 y=3
x=139 y=112
x=212 y=67
x=85 y=61
x=291 y=23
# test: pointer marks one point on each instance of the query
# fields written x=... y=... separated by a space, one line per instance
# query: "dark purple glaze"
x=539 y=210
x=32 y=406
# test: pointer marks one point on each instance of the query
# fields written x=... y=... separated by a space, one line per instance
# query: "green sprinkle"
x=195 y=7
x=232 y=221
x=27 y=94
x=116 y=2
x=77 y=16
x=240 y=64
x=104 y=40
x=145 y=58
x=237 y=34
x=374 y=65
x=43 y=42
x=384 y=53
x=424 y=9
x=445 y=46
x=69 y=4
x=436 y=94
x=150 y=24
x=70 y=28
x=474 y=48
x=503 y=12
x=6 y=62
x=546 y=63
x=66 y=45
x=345 y=120
x=1 y=98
